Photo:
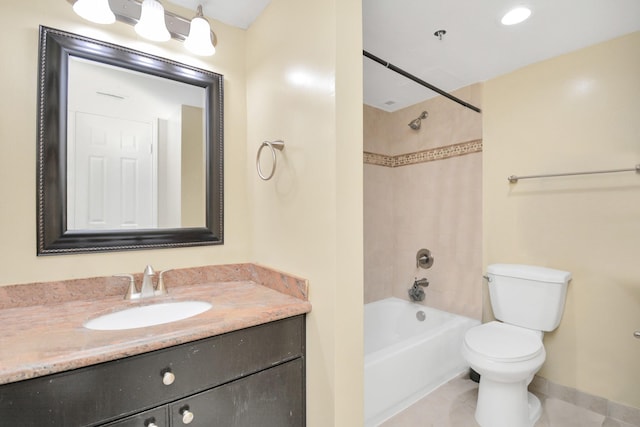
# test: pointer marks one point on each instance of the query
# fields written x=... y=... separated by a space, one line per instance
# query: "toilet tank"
x=528 y=296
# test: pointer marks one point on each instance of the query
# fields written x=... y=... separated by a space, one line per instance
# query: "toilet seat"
x=503 y=343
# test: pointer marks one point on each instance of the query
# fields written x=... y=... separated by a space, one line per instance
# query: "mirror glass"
x=135 y=150
x=129 y=149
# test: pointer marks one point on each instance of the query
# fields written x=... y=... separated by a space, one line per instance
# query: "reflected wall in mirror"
x=129 y=149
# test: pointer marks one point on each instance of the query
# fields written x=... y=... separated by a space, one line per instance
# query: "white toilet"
x=528 y=301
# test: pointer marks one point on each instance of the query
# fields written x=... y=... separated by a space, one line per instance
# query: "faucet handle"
x=132 y=292
x=160 y=288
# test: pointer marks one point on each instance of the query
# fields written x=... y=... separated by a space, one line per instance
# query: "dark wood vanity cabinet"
x=251 y=377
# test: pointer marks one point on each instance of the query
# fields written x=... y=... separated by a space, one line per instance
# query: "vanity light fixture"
x=97 y=11
x=516 y=15
x=152 y=22
x=199 y=40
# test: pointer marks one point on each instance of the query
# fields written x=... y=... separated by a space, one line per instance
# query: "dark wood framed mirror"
x=129 y=149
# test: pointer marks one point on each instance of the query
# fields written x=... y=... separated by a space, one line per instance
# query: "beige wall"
x=576 y=112
x=18 y=261
x=301 y=85
x=438 y=206
x=448 y=123
x=379 y=231
x=304 y=85
x=435 y=205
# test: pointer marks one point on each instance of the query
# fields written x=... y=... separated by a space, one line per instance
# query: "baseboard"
x=597 y=404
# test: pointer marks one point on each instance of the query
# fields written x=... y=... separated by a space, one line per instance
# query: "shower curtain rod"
x=420 y=81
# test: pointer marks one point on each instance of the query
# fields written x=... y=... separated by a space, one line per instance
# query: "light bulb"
x=97 y=11
x=152 y=25
x=516 y=16
x=199 y=40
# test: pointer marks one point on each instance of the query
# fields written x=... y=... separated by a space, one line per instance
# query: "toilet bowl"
x=506 y=357
x=527 y=301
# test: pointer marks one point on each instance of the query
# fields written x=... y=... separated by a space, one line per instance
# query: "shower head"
x=415 y=123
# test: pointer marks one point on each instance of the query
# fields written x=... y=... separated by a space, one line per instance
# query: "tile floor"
x=453 y=405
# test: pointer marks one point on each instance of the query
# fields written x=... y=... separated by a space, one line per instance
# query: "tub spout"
x=421 y=282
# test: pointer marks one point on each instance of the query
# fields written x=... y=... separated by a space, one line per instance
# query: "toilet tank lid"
x=531 y=272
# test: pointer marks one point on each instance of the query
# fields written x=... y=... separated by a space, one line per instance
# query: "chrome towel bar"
x=275 y=145
x=514 y=178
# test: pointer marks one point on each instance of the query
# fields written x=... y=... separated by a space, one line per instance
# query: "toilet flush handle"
x=636 y=334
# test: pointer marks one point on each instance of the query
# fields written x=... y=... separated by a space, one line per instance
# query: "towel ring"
x=275 y=145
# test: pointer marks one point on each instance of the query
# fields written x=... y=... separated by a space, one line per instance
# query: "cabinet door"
x=270 y=398
x=155 y=417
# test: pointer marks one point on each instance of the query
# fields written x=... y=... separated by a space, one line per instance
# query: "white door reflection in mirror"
x=114 y=184
x=136 y=150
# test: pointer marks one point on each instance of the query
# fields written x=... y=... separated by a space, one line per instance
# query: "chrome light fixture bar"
x=130 y=11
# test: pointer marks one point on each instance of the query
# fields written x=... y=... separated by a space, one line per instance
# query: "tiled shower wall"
x=423 y=189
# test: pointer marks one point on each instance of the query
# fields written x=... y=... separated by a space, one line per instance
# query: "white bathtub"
x=405 y=358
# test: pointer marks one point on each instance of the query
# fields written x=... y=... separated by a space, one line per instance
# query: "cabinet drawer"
x=112 y=390
x=271 y=398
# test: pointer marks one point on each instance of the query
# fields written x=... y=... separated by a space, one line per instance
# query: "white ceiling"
x=237 y=13
x=475 y=48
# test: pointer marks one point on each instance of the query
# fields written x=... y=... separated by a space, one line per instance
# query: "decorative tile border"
x=439 y=153
x=378 y=159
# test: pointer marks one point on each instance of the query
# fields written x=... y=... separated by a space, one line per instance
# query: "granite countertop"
x=46 y=336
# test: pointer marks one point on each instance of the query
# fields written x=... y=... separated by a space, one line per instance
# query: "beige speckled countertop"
x=45 y=335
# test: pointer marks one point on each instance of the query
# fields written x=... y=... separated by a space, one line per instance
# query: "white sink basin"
x=147 y=315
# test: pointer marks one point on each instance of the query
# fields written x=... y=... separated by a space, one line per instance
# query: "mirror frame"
x=52 y=234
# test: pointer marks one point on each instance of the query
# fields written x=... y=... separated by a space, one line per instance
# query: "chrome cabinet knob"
x=168 y=378
x=187 y=416
x=152 y=425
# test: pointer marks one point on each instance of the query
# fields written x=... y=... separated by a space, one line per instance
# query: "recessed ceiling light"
x=516 y=16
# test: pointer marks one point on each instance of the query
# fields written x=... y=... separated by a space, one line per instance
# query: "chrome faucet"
x=416 y=293
x=146 y=288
